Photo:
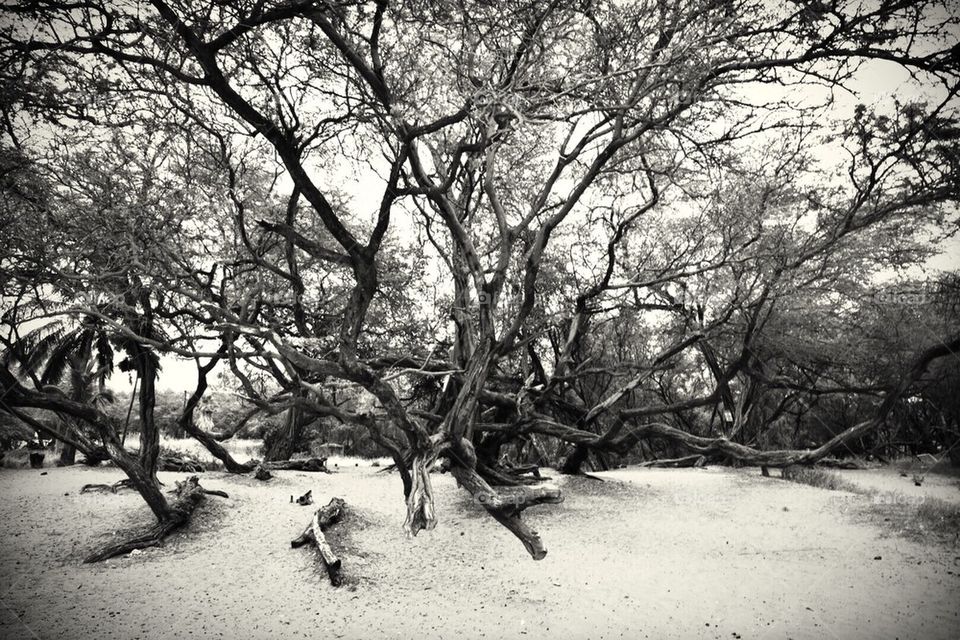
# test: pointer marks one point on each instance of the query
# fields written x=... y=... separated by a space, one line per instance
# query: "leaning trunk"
x=189 y=494
x=285 y=443
x=573 y=463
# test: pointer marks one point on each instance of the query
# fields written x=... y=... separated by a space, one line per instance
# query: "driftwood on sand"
x=324 y=518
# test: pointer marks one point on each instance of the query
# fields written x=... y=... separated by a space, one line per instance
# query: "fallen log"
x=695 y=460
x=189 y=494
x=182 y=464
x=324 y=518
x=307 y=464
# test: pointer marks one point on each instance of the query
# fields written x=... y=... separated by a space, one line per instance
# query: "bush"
x=939 y=517
x=819 y=478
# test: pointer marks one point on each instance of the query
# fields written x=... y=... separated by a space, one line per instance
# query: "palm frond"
x=32 y=349
x=104 y=358
x=59 y=358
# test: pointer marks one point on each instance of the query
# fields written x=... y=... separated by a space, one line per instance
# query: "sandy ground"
x=886 y=479
x=686 y=553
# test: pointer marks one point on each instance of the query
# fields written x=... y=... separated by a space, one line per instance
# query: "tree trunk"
x=574 y=461
x=149 y=435
x=68 y=455
x=284 y=445
x=420 y=510
x=189 y=495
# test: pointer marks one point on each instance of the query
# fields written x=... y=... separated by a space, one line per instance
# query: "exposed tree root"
x=324 y=518
x=189 y=495
x=116 y=487
x=304 y=500
x=112 y=488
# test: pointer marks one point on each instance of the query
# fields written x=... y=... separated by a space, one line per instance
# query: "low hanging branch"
x=786 y=458
x=506 y=504
x=189 y=494
x=324 y=518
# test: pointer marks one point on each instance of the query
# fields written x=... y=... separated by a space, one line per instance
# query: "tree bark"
x=149 y=434
x=286 y=442
x=574 y=461
x=420 y=510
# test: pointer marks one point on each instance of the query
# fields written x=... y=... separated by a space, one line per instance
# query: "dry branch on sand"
x=112 y=488
x=324 y=518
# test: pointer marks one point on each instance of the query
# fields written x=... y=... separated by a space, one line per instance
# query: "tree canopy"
x=507 y=231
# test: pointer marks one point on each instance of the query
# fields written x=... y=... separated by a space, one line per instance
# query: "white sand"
x=653 y=554
x=887 y=479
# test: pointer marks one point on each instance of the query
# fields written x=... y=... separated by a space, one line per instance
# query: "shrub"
x=819 y=478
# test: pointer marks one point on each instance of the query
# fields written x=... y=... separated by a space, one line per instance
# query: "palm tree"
x=77 y=359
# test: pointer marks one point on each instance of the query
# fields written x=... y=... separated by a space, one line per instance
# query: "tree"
x=79 y=356
x=516 y=139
